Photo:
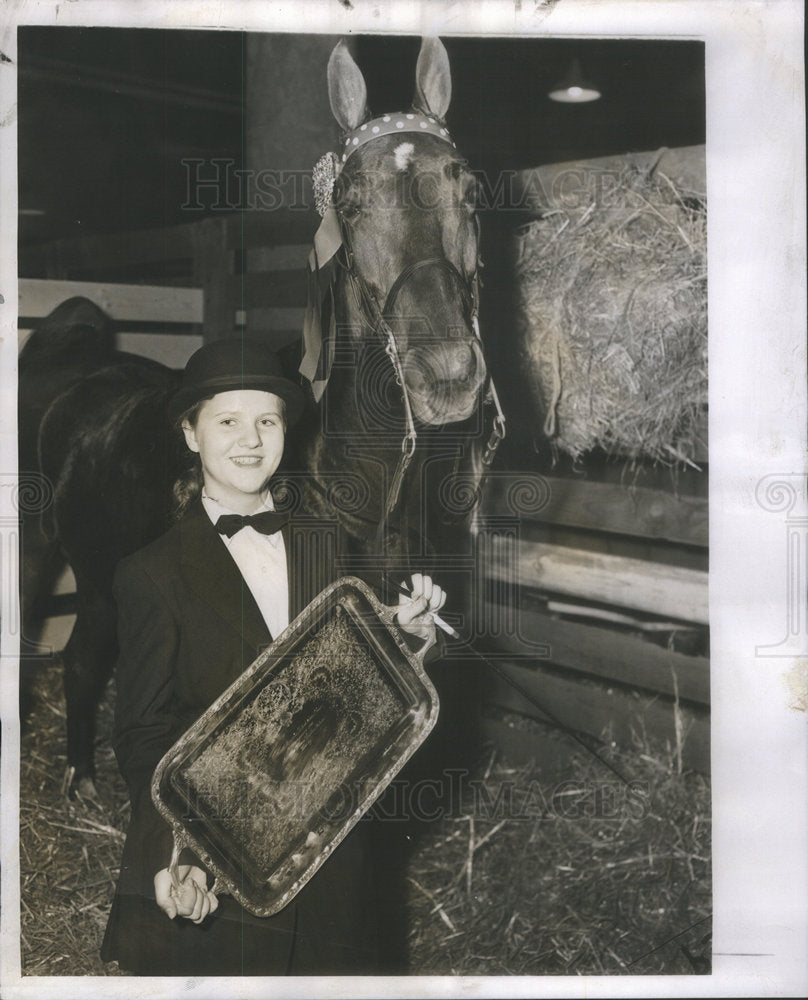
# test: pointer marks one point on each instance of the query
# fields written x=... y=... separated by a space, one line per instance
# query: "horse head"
x=398 y=203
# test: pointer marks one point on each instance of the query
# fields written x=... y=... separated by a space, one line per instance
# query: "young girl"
x=195 y=608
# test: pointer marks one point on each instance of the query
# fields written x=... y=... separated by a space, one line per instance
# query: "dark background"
x=107 y=115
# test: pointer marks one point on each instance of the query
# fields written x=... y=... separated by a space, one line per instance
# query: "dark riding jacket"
x=188 y=627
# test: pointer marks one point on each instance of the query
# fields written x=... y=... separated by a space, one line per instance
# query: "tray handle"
x=180 y=842
x=387 y=614
x=174 y=864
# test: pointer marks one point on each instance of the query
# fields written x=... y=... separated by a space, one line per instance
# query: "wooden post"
x=288 y=127
x=213 y=270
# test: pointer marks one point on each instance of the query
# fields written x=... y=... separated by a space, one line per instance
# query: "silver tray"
x=282 y=766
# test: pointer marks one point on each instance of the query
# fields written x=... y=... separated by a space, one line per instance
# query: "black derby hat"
x=238 y=363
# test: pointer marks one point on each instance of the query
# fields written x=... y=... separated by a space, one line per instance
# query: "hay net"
x=612 y=311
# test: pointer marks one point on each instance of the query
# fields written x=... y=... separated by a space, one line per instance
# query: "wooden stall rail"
x=613 y=645
x=245 y=279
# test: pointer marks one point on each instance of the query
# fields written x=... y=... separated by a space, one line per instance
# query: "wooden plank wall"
x=613 y=645
x=207 y=258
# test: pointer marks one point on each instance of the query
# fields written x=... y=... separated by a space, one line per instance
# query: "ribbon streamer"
x=318 y=351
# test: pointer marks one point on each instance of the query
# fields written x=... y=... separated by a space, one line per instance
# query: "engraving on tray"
x=266 y=776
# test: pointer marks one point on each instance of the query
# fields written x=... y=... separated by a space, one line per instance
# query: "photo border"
x=757 y=323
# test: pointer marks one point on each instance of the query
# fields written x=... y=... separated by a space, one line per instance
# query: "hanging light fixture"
x=574 y=88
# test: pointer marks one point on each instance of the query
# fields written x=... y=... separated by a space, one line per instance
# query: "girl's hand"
x=189 y=897
x=415 y=609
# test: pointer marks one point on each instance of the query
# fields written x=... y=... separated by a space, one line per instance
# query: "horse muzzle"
x=444 y=380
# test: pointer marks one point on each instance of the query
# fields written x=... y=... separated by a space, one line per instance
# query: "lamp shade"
x=574 y=88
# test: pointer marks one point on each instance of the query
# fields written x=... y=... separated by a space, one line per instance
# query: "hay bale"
x=612 y=307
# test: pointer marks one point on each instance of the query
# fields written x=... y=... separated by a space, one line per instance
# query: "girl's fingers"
x=425 y=597
x=205 y=904
x=199 y=911
x=410 y=610
x=170 y=909
x=165 y=900
x=209 y=904
x=437 y=599
x=190 y=898
x=422 y=586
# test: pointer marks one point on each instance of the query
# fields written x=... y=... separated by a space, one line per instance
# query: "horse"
x=93 y=443
x=393 y=356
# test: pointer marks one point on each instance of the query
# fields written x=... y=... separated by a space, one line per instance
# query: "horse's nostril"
x=460 y=361
x=450 y=367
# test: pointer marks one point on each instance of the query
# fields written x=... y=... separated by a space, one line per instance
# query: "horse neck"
x=356 y=445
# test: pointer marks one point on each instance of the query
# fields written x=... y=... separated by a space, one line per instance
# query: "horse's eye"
x=347 y=197
x=457 y=171
x=470 y=195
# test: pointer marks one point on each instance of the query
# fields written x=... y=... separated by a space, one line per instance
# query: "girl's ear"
x=346 y=89
x=190 y=436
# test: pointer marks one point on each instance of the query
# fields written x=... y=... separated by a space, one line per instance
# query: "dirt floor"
x=508 y=875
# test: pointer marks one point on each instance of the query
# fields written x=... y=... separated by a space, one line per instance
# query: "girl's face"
x=239 y=438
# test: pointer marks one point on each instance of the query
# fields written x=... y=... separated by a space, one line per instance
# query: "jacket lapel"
x=211 y=573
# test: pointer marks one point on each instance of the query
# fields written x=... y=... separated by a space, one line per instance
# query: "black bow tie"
x=267 y=522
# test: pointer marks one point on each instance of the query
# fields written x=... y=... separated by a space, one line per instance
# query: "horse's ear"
x=433 y=78
x=346 y=89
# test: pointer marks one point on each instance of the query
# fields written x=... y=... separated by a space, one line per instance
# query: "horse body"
x=406 y=356
x=99 y=418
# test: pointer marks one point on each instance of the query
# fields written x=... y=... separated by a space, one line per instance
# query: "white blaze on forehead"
x=403 y=155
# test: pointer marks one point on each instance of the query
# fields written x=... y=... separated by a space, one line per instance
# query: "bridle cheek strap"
x=498 y=429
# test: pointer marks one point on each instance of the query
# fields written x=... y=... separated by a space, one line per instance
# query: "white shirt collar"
x=266 y=504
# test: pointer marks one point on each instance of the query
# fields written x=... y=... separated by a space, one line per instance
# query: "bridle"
x=377 y=319
x=376 y=316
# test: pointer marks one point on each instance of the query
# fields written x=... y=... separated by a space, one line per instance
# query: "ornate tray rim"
x=274 y=653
